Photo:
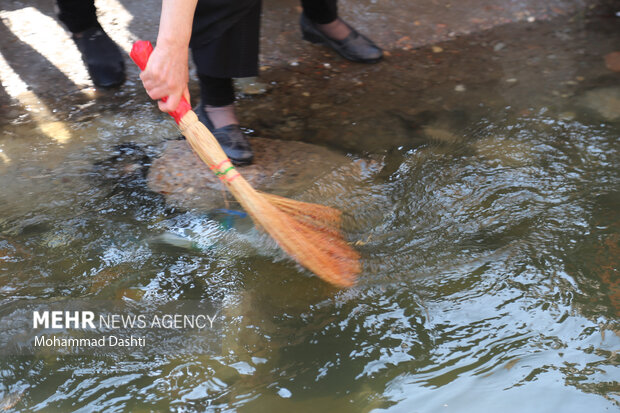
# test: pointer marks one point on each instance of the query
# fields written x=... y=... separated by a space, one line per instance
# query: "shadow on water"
x=485 y=209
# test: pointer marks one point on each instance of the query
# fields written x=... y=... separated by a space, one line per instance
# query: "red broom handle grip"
x=140 y=53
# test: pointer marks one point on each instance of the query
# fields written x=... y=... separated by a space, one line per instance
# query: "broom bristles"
x=320 y=213
x=309 y=233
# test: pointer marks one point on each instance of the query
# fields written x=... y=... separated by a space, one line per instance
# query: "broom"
x=309 y=233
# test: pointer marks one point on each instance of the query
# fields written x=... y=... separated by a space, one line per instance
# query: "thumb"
x=170 y=104
x=186 y=95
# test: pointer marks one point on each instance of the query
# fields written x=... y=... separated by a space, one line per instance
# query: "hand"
x=166 y=75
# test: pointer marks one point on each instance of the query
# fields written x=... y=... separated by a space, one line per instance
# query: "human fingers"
x=186 y=94
x=159 y=87
x=166 y=76
x=171 y=103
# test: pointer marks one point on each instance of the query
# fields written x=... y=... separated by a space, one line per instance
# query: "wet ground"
x=487 y=219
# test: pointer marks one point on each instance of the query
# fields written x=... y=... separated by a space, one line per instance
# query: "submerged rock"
x=605 y=102
x=129 y=165
x=505 y=152
x=282 y=167
x=612 y=61
x=297 y=170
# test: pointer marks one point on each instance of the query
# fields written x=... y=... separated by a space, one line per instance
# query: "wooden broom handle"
x=140 y=53
x=199 y=137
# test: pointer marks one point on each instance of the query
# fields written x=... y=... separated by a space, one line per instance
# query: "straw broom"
x=309 y=233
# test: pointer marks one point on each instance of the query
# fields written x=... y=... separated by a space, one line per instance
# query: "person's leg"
x=216 y=111
x=232 y=54
x=102 y=56
x=325 y=14
x=217 y=95
x=320 y=11
x=77 y=15
x=320 y=24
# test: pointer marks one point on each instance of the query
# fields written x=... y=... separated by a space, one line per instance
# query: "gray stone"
x=282 y=167
x=605 y=102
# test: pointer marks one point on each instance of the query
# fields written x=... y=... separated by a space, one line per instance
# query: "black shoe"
x=355 y=47
x=102 y=56
x=231 y=139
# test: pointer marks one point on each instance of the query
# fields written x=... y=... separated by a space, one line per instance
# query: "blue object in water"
x=231 y=212
x=228 y=220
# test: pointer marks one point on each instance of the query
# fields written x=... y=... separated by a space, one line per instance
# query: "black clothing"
x=226 y=33
x=103 y=59
x=214 y=17
x=215 y=91
x=225 y=37
x=78 y=15
x=231 y=53
x=320 y=11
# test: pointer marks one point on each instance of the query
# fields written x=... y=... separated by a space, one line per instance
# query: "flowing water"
x=487 y=222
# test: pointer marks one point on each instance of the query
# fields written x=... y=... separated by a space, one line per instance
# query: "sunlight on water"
x=468 y=285
x=490 y=257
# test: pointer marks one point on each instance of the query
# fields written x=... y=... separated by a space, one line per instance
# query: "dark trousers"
x=235 y=52
x=225 y=43
x=320 y=11
x=228 y=53
x=77 y=15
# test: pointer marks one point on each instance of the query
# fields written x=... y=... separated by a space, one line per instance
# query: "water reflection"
x=490 y=249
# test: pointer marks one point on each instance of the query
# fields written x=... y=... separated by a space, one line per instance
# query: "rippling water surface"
x=490 y=274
